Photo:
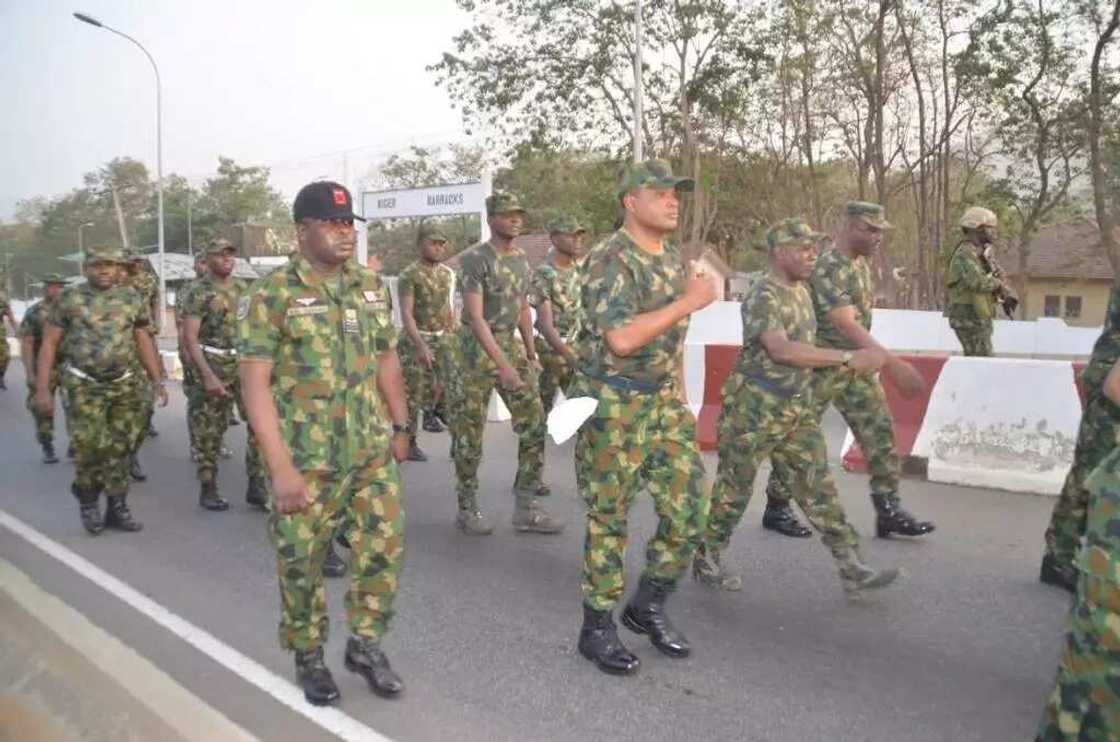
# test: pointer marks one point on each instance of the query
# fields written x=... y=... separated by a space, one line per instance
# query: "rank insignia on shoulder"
x=306 y=301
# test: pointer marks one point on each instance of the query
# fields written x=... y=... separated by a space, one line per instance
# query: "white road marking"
x=330 y=719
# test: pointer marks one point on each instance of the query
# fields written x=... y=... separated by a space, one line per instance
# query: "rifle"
x=1005 y=298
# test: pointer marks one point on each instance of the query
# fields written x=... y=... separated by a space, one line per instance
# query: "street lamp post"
x=81 y=250
x=638 y=103
x=86 y=18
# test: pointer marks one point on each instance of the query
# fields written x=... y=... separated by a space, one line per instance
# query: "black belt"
x=626 y=384
x=784 y=393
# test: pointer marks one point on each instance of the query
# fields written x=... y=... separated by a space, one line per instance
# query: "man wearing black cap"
x=31 y=340
x=319 y=371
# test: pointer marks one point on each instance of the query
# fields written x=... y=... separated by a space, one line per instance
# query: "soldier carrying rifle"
x=975 y=283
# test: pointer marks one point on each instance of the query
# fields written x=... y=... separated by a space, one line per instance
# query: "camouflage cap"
x=978 y=216
x=430 y=232
x=219 y=245
x=651 y=174
x=105 y=254
x=565 y=224
x=868 y=213
x=794 y=231
x=503 y=202
x=49 y=278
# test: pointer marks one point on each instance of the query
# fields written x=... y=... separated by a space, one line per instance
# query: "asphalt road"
x=964 y=649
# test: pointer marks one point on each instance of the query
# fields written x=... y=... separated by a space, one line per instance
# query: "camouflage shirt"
x=773 y=305
x=323 y=335
x=970 y=287
x=430 y=287
x=97 y=328
x=147 y=285
x=619 y=281
x=839 y=281
x=183 y=298
x=503 y=281
x=215 y=306
x=1107 y=348
x=561 y=288
x=32 y=324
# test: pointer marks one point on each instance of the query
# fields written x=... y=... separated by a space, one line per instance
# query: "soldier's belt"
x=768 y=386
x=432 y=333
x=219 y=351
x=75 y=371
x=626 y=384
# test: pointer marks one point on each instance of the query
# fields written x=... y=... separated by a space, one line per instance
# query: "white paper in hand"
x=566 y=417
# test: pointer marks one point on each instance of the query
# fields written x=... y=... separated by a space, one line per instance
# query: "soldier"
x=555 y=296
x=842 y=300
x=31 y=341
x=319 y=371
x=426 y=351
x=138 y=274
x=1085 y=704
x=7 y=319
x=100 y=329
x=1096 y=437
x=636 y=298
x=191 y=386
x=971 y=286
x=210 y=331
x=495 y=285
x=768 y=410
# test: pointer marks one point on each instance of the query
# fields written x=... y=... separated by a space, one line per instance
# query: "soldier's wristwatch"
x=846 y=357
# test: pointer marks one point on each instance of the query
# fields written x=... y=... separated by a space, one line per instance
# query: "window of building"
x=1051 y=306
x=1073 y=307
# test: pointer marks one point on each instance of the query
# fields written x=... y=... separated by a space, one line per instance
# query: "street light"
x=86 y=18
x=81 y=250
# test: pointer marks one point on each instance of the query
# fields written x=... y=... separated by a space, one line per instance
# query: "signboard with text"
x=441 y=200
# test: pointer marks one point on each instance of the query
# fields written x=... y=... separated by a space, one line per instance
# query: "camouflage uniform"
x=146 y=284
x=191 y=384
x=101 y=382
x=561 y=288
x=215 y=306
x=839 y=281
x=323 y=336
x=430 y=287
x=5 y=351
x=641 y=437
x=1085 y=704
x=32 y=327
x=503 y=282
x=1096 y=437
x=971 y=302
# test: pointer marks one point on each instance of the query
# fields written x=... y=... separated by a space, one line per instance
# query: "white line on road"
x=332 y=720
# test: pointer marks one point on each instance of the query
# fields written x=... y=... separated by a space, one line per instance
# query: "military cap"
x=868 y=213
x=219 y=245
x=978 y=216
x=794 y=231
x=503 y=202
x=49 y=278
x=432 y=232
x=651 y=174
x=324 y=200
x=105 y=254
x=565 y=224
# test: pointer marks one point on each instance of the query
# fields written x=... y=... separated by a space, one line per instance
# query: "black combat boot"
x=209 y=498
x=599 y=642
x=414 y=452
x=1056 y=573
x=333 y=565
x=135 y=471
x=779 y=516
x=645 y=614
x=89 y=509
x=440 y=413
x=257 y=494
x=118 y=516
x=431 y=422
x=49 y=456
x=364 y=656
x=2 y=384
x=152 y=432
x=70 y=451
x=314 y=677
x=893 y=519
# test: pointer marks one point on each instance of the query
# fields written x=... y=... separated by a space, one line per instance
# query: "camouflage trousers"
x=754 y=424
x=1096 y=437
x=5 y=354
x=44 y=424
x=146 y=409
x=425 y=386
x=469 y=395
x=104 y=419
x=210 y=420
x=975 y=336
x=190 y=391
x=556 y=374
x=1085 y=703
x=366 y=504
x=633 y=441
x=863 y=404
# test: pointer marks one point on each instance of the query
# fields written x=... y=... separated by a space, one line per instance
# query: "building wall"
x=1094 y=299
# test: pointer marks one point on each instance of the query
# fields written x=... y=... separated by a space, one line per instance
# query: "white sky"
x=287 y=84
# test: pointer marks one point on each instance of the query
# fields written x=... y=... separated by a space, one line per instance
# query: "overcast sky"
x=291 y=85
